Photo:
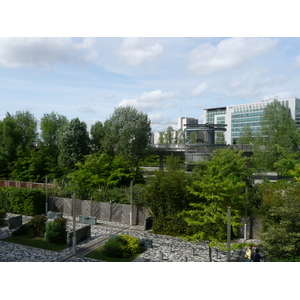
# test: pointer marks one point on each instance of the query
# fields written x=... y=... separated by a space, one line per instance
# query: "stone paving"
x=165 y=248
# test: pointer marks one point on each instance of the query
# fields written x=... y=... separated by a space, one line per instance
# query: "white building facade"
x=240 y=115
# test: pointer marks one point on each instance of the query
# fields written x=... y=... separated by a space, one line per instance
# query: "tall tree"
x=73 y=144
x=246 y=136
x=51 y=125
x=97 y=134
x=9 y=141
x=18 y=134
x=220 y=184
x=166 y=196
x=27 y=125
x=169 y=135
x=280 y=211
x=278 y=129
x=128 y=132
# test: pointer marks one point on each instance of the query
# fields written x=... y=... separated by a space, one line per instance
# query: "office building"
x=240 y=115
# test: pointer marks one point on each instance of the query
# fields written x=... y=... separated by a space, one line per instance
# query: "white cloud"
x=297 y=61
x=198 y=91
x=229 y=53
x=87 y=110
x=135 y=50
x=109 y=96
x=150 y=100
x=44 y=52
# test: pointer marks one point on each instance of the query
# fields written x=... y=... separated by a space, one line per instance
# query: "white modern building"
x=240 y=115
x=182 y=121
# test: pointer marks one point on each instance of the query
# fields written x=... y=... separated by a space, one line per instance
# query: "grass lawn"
x=37 y=242
x=96 y=254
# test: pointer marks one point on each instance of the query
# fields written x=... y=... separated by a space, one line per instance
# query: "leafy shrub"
x=4 y=203
x=121 y=246
x=36 y=226
x=2 y=216
x=22 y=201
x=112 y=248
x=131 y=246
x=56 y=231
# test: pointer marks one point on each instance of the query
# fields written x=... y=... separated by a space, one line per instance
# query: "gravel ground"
x=165 y=248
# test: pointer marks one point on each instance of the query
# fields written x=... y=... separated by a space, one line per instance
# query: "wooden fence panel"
x=116 y=211
x=86 y=207
x=95 y=209
x=58 y=205
x=105 y=211
x=67 y=206
x=125 y=214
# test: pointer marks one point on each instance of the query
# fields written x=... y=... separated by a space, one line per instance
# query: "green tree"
x=247 y=136
x=278 y=130
x=219 y=184
x=100 y=172
x=161 y=139
x=73 y=144
x=169 y=135
x=165 y=196
x=97 y=134
x=281 y=227
x=51 y=125
x=18 y=134
x=30 y=166
x=128 y=132
x=10 y=139
x=27 y=125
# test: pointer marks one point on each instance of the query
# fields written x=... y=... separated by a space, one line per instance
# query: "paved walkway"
x=165 y=248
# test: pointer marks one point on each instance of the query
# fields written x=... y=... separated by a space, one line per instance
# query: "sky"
x=165 y=77
x=165 y=59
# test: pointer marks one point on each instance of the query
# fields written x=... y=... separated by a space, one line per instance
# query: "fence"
x=102 y=211
x=21 y=184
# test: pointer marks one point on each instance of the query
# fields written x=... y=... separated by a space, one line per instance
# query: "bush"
x=23 y=201
x=56 y=231
x=112 y=248
x=36 y=226
x=2 y=216
x=121 y=246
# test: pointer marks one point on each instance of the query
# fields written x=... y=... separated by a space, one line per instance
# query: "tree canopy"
x=278 y=131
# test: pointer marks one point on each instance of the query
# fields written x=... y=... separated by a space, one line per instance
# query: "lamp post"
x=131 y=215
x=46 y=188
x=74 y=224
x=228 y=232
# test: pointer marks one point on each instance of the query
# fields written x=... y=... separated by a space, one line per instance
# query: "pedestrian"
x=249 y=254
x=256 y=256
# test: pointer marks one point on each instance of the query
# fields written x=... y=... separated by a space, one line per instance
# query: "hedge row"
x=22 y=201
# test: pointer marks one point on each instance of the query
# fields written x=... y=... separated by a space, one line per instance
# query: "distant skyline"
x=166 y=78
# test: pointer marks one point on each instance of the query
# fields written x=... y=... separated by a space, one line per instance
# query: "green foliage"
x=2 y=216
x=165 y=196
x=279 y=136
x=247 y=136
x=100 y=172
x=30 y=166
x=121 y=246
x=128 y=132
x=281 y=231
x=36 y=226
x=23 y=201
x=56 y=231
x=73 y=144
x=97 y=134
x=218 y=184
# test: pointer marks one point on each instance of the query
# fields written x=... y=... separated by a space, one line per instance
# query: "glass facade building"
x=238 y=116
